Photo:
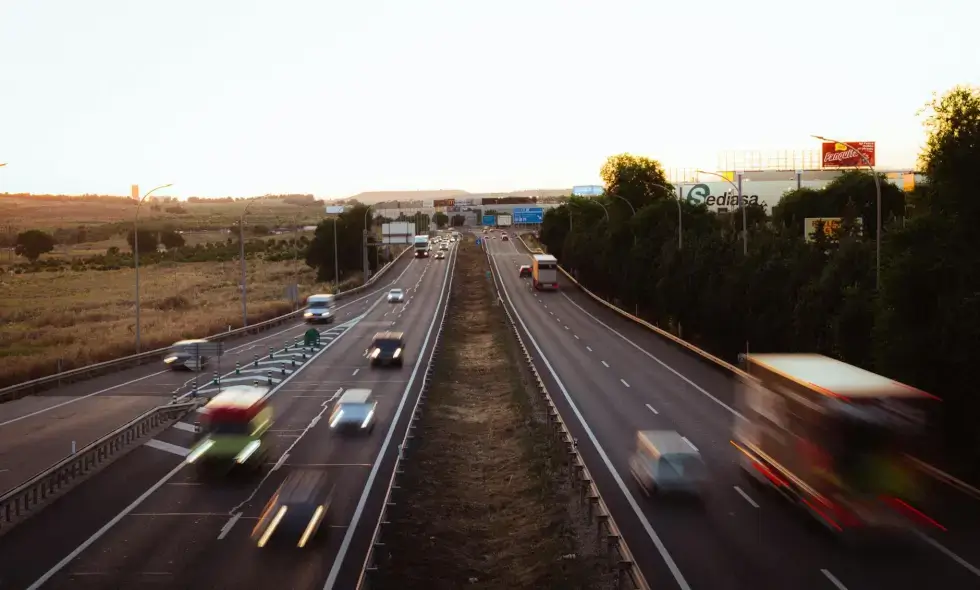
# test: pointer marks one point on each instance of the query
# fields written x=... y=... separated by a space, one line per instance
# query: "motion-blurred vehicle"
x=525 y=271
x=544 y=271
x=396 y=296
x=440 y=255
x=443 y=247
x=230 y=429
x=504 y=237
x=296 y=510
x=185 y=356
x=666 y=463
x=833 y=438
x=354 y=412
x=319 y=309
x=387 y=348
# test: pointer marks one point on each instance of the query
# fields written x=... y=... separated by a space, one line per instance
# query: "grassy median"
x=485 y=500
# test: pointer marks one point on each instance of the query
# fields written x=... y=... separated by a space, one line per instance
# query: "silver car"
x=396 y=296
x=354 y=412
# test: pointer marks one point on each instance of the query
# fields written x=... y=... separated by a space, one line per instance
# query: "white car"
x=396 y=296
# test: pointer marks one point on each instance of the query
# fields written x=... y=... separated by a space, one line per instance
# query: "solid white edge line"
x=833 y=580
x=660 y=362
x=249 y=343
x=746 y=497
x=338 y=560
x=116 y=519
x=228 y=525
x=651 y=408
x=948 y=553
x=658 y=543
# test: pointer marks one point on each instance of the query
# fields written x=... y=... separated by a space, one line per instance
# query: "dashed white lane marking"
x=746 y=497
x=576 y=336
x=227 y=528
x=356 y=371
x=566 y=327
x=185 y=427
x=624 y=382
x=589 y=348
x=651 y=408
x=834 y=580
x=604 y=364
x=165 y=446
x=690 y=444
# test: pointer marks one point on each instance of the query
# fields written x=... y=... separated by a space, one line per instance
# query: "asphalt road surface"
x=39 y=430
x=612 y=378
x=150 y=520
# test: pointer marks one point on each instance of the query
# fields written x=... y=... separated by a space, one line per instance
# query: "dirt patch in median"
x=484 y=501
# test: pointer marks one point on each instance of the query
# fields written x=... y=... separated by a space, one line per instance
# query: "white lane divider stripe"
x=165 y=446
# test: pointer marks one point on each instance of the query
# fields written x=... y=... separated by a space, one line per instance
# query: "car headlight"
x=170 y=360
x=375 y=353
x=398 y=353
x=367 y=419
x=308 y=314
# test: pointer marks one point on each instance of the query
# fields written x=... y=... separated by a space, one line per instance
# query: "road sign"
x=489 y=219
x=528 y=215
x=335 y=209
x=590 y=190
x=478 y=241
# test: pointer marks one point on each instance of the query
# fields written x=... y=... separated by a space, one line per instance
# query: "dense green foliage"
x=922 y=327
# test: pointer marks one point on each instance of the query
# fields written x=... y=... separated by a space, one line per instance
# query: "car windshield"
x=395 y=292
x=387 y=344
x=227 y=427
x=682 y=467
x=355 y=411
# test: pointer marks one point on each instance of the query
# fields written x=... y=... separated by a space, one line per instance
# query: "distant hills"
x=375 y=197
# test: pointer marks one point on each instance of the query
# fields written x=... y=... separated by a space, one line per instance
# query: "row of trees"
x=922 y=326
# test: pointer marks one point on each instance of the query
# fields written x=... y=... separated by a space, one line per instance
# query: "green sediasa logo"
x=700 y=194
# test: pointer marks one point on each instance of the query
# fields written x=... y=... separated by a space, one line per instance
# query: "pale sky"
x=248 y=97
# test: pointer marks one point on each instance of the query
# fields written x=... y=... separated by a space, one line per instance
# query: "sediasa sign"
x=717 y=194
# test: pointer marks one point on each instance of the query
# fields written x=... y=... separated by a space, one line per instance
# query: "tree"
x=458 y=220
x=170 y=239
x=32 y=243
x=350 y=228
x=441 y=219
x=147 y=243
x=636 y=179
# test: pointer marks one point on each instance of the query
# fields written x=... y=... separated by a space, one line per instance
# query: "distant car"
x=354 y=413
x=440 y=255
x=505 y=238
x=667 y=463
x=444 y=247
x=387 y=348
x=186 y=356
x=396 y=296
x=525 y=271
x=296 y=510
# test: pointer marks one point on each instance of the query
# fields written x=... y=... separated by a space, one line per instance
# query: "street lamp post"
x=874 y=175
x=336 y=260
x=136 y=257
x=741 y=205
x=366 y=213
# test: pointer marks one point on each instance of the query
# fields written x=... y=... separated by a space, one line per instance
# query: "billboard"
x=444 y=202
x=504 y=220
x=397 y=233
x=528 y=215
x=489 y=219
x=831 y=225
x=839 y=155
x=590 y=190
x=335 y=209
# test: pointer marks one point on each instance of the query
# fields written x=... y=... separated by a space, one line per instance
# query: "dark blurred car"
x=185 y=355
x=296 y=510
x=525 y=271
x=387 y=348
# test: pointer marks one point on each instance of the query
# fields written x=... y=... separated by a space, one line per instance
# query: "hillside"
x=373 y=197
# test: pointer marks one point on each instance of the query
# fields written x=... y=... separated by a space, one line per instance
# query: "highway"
x=611 y=378
x=38 y=431
x=149 y=520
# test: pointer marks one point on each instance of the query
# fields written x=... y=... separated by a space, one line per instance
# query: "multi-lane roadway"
x=149 y=521
x=612 y=378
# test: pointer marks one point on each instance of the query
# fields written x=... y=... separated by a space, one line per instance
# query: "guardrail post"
x=293 y=361
x=255 y=382
x=268 y=375
x=272 y=353
x=238 y=369
x=304 y=353
x=282 y=369
x=214 y=380
x=255 y=361
x=286 y=346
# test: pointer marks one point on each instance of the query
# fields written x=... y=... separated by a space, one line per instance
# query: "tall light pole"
x=741 y=205
x=874 y=175
x=136 y=257
x=366 y=213
x=336 y=260
x=241 y=255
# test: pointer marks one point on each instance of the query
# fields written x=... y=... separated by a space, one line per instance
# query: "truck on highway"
x=833 y=438
x=544 y=272
x=422 y=246
x=231 y=427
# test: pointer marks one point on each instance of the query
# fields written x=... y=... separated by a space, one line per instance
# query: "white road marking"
x=165 y=446
x=644 y=521
x=649 y=407
x=623 y=381
x=746 y=497
x=359 y=510
x=589 y=348
x=660 y=362
x=833 y=580
x=227 y=528
x=185 y=427
x=948 y=553
x=690 y=444
x=605 y=364
x=576 y=336
x=355 y=372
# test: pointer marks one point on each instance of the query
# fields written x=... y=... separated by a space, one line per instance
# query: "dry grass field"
x=23 y=213
x=85 y=317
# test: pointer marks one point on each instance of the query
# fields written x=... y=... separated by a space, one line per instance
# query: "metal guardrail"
x=628 y=572
x=26 y=388
x=32 y=496
x=377 y=552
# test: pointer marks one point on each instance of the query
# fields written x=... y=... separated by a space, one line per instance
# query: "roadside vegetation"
x=787 y=294
x=484 y=501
